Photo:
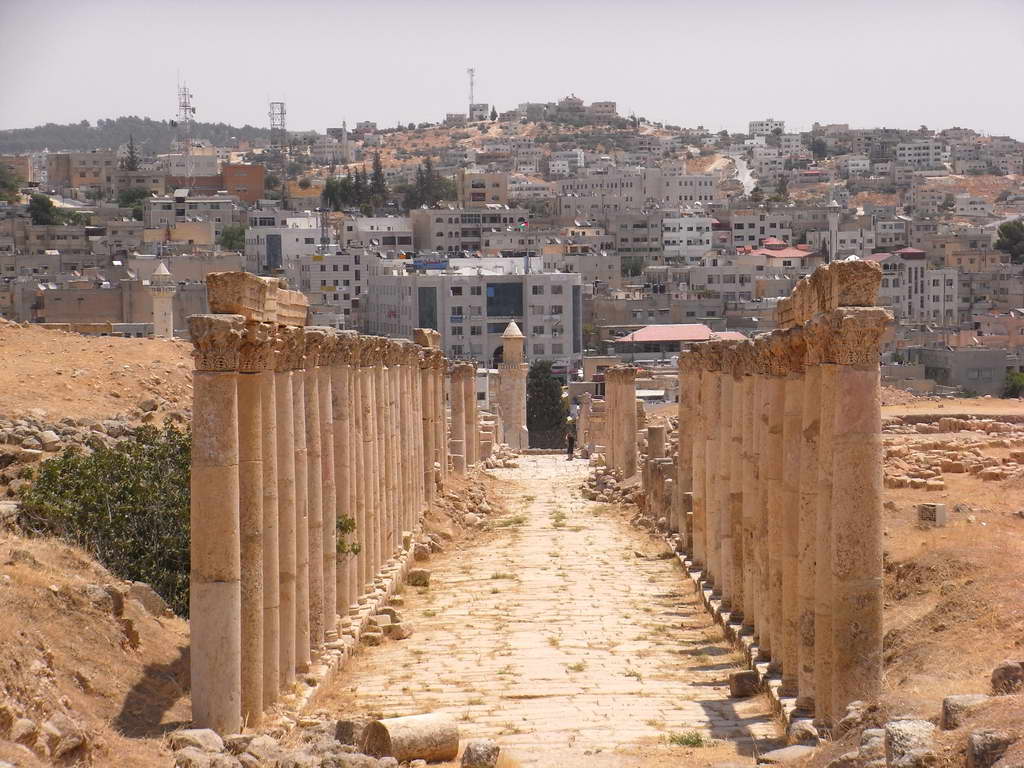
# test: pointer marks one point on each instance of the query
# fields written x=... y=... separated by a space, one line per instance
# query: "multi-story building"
x=19 y=165
x=86 y=171
x=686 y=236
x=751 y=226
x=453 y=229
x=334 y=279
x=971 y=206
x=471 y=307
x=766 y=126
x=476 y=190
x=389 y=235
x=791 y=144
x=922 y=153
x=182 y=206
x=915 y=292
x=274 y=236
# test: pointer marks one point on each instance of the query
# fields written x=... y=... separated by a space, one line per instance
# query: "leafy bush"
x=127 y=505
x=1014 y=386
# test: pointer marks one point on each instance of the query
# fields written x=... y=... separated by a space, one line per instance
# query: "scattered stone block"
x=786 y=755
x=907 y=742
x=151 y=601
x=203 y=739
x=743 y=683
x=955 y=709
x=371 y=638
x=1008 y=677
x=802 y=731
x=480 y=753
x=985 y=748
x=421 y=552
x=933 y=514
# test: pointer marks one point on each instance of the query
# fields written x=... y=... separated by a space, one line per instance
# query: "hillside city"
x=597 y=233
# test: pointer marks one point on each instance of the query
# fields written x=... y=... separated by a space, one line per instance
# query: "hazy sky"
x=689 y=62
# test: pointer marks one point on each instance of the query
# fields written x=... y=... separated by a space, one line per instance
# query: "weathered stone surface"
x=985 y=748
x=480 y=753
x=955 y=709
x=150 y=600
x=907 y=741
x=201 y=738
x=63 y=735
x=1008 y=677
x=743 y=683
x=801 y=731
x=786 y=754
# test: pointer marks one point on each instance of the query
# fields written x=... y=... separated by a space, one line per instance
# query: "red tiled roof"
x=782 y=253
x=772 y=241
x=658 y=333
x=729 y=336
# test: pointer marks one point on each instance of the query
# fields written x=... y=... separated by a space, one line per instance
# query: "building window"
x=537 y=290
x=474 y=330
x=457 y=291
x=538 y=349
x=556 y=290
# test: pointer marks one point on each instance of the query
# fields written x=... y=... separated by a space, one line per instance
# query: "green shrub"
x=1014 y=386
x=127 y=505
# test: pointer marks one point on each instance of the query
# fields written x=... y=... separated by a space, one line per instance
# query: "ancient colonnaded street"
x=565 y=635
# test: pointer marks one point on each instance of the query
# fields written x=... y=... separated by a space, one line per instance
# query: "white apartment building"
x=766 y=126
x=182 y=206
x=274 y=237
x=389 y=235
x=971 y=205
x=768 y=163
x=686 y=236
x=791 y=144
x=855 y=165
x=199 y=163
x=924 y=153
x=472 y=306
x=750 y=227
x=334 y=280
x=858 y=242
x=454 y=230
x=916 y=293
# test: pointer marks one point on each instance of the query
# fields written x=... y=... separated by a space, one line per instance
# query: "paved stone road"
x=553 y=637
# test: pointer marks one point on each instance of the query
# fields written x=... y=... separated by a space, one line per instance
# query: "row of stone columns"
x=464 y=445
x=621 y=419
x=779 y=470
x=313 y=452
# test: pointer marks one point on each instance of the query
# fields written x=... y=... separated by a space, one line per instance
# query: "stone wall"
x=315 y=453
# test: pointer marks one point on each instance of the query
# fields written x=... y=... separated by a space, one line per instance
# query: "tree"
x=305 y=183
x=9 y=184
x=547 y=412
x=494 y=114
x=133 y=198
x=1014 y=386
x=131 y=162
x=271 y=181
x=126 y=504
x=232 y=237
x=378 y=184
x=41 y=209
x=819 y=148
x=757 y=194
x=1011 y=240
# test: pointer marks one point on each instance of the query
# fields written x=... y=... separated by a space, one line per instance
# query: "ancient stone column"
x=254 y=358
x=761 y=417
x=857 y=507
x=775 y=510
x=271 y=537
x=341 y=410
x=302 y=657
x=725 y=509
x=711 y=404
x=382 y=473
x=823 y=535
x=426 y=378
x=512 y=372
x=329 y=541
x=750 y=459
x=315 y=340
x=469 y=413
x=457 y=401
x=215 y=595
x=289 y=359
x=738 y=358
x=692 y=363
x=655 y=441
x=808 y=513
x=362 y=462
x=440 y=366
x=791 y=440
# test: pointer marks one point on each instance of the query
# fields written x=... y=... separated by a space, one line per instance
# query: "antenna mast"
x=472 y=74
x=185 y=114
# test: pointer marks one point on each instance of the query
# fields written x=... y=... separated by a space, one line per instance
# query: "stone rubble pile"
x=470 y=506
x=59 y=737
x=502 y=457
x=916 y=463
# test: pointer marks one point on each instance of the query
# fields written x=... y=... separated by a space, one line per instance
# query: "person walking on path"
x=570 y=444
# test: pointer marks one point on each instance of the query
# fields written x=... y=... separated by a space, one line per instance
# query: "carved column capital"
x=257 y=350
x=796 y=348
x=739 y=359
x=291 y=346
x=346 y=348
x=316 y=341
x=217 y=341
x=855 y=333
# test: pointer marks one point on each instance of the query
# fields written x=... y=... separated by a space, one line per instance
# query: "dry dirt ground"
x=68 y=375
x=564 y=636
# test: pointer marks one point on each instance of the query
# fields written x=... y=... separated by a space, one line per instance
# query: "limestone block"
x=985 y=748
x=743 y=683
x=1008 y=677
x=480 y=753
x=418 y=577
x=905 y=740
x=955 y=709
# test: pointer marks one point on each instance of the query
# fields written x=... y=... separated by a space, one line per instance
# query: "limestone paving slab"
x=553 y=633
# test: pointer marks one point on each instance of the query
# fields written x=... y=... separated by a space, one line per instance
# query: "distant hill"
x=151 y=136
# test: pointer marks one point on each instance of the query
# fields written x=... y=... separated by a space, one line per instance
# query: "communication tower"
x=186 y=115
x=472 y=74
x=278 y=127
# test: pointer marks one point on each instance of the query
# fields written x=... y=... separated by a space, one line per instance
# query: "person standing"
x=570 y=443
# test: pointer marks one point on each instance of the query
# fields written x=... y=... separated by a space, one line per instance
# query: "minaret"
x=512 y=388
x=833 y=230
x=162 y=288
